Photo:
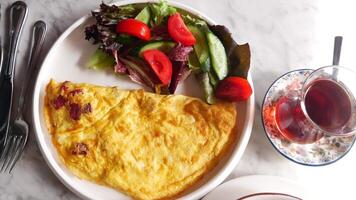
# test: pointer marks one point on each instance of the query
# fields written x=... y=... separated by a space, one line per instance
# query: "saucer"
x=325 y=151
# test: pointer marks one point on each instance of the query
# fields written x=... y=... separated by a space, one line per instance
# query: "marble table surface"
x=283 y=35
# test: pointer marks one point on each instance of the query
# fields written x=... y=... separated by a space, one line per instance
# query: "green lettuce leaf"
x=193 y=62
x=128 y=10
x=100 y=60
x=160 y=11
x=203 y=79
x=189 y=20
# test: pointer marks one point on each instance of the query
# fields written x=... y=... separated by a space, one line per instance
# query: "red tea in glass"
x=323 y=105
x=328 y=104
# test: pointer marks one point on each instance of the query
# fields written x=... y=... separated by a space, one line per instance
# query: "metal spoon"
x=19 y=127
x=337 y=50
x=336 y=56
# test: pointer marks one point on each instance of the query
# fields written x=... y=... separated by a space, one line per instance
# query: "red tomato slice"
x=179 y=31
x=160 y=64
x=233 y=89
x=134 y=27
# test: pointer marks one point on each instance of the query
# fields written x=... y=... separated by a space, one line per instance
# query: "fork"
x=19 y=130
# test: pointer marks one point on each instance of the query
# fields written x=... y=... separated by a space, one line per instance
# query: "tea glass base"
x=324 y=151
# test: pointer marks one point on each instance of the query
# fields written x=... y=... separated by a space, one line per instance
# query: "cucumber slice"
x=201 y=47
x=218 y=55
x=145 y=15
x=164 y=46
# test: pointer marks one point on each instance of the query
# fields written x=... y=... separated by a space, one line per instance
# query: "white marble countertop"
x=284 y=35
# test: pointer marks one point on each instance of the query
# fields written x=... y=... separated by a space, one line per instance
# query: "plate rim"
x=243 y=179
x=210 y=184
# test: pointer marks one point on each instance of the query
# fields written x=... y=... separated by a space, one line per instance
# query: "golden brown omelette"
x=146 y=145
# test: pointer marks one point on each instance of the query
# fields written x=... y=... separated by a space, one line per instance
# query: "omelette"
x=146 y=145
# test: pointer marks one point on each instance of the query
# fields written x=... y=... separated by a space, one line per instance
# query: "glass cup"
x=321 y=104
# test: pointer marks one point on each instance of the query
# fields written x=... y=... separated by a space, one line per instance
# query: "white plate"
x=66 y=61
x=257 y=184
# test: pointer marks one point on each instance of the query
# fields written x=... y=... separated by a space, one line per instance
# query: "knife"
x=1 y=65
x=1 y=48
x=18 y=14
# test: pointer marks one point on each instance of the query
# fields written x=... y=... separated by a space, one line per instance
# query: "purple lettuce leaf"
x=180 y=52
x=180 y=72
x=119 y=67
x=110 y=15
x=103 y=31
x=160 y=32
x=135 y=77
x=139 y=71
x=179 y=57
x=92 y=32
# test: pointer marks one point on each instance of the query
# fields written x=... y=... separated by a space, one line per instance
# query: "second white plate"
x=241 y=188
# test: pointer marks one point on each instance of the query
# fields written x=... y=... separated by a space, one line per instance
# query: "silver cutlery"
x=1 y=53
x=1 y=48
x=18 y=13
x=2 y=142
x=19 y=129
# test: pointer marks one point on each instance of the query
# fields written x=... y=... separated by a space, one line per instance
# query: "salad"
x=159 y=46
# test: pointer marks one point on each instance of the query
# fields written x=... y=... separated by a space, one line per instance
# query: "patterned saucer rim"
x=278 y=149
